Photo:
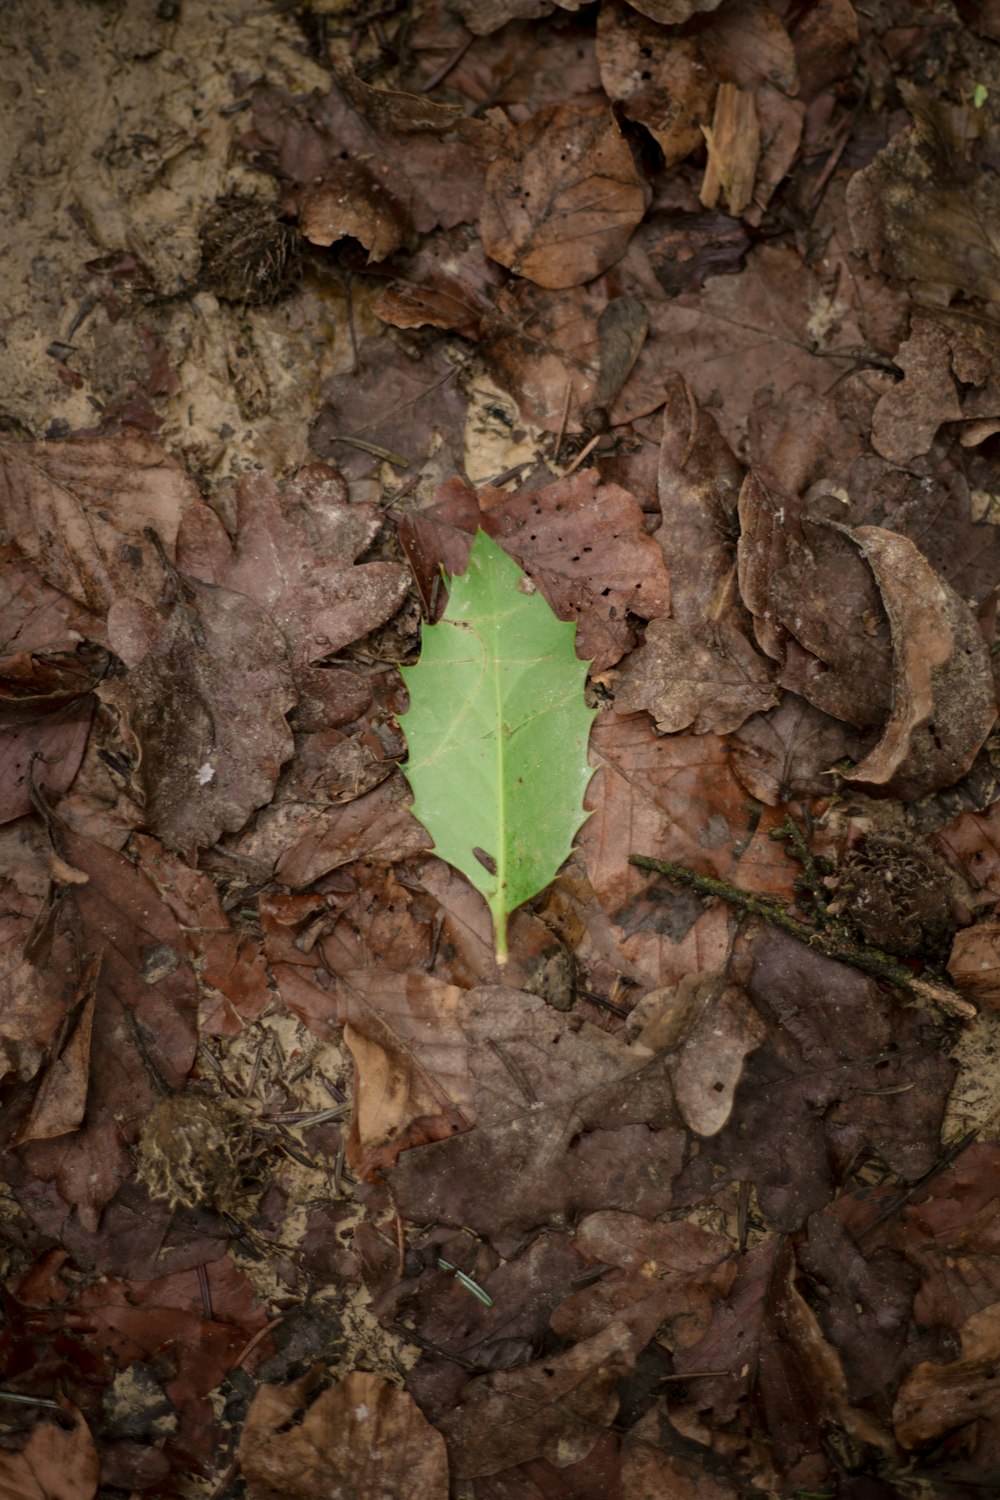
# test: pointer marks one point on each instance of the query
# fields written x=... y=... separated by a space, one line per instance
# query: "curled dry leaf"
x=974 y=964
x=563 y=198
x=943 y=703
x=937 y=1399
x=349 y=201
x=658 y=77
x=361 y=1437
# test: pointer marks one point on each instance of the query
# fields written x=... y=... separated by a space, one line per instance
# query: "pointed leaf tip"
x=497 y=731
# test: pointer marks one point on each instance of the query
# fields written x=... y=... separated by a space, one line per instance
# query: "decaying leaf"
x=702 y=677
x=563 y=197
x=206 y=695
x=362 y=1436
x=497 y=730
x=81 y=511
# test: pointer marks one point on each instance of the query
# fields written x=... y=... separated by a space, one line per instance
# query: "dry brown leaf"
x=553 y=1409
x=583 y=543
x=294 y=556
x=57 y=1463
x=673 y=797
x=698 y=483
x=46 y=706
x=949 y=376
x=944 y=704
x=699 y=677
x=411 y=1062
x=143 y=1036
x=740 y=341
x=206 y=693
x=658 y=77
x=974 y=964
x=60 y=1102
x=674 y=12
x=82 y=510
x=349 y=201
x=786 y=755
x=938 y=1399
x=362 y=1437
x=708 y=1064
x=563 y=198
x=817 y=609
x=925 y=208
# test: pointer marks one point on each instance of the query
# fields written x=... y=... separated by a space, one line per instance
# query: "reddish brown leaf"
x=81 y=512
x=563 y=197
x=583 y=543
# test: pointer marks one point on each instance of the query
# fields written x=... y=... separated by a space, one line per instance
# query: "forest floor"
x=692 y=308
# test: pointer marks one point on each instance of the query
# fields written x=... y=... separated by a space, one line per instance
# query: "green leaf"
x=497 y=729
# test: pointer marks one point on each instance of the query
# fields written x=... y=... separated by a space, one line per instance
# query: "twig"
x=832 y=943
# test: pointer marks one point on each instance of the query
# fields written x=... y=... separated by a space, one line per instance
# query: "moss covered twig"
x=830 y=940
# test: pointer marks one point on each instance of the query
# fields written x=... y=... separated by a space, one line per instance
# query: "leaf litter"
x=688 y=308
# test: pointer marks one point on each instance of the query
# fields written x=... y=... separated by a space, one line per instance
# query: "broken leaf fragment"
x=497 y=730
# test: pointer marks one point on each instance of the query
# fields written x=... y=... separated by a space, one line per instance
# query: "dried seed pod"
x=896 y=895
x=248 y=254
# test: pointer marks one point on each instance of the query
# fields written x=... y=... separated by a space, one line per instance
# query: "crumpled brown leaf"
x=362 y=1436
x=563 y=197
x=658 y=77
x=944 y=704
